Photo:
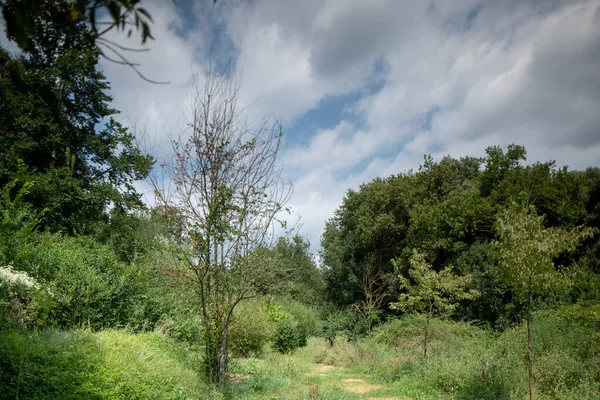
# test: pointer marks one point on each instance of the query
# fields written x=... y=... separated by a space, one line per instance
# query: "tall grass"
x=468 y=362
x=104 y=365
x=465 y=362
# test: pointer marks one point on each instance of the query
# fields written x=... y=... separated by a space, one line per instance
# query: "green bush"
x=90 y=287
x=183 y=324
x=17 y=222
x=289 y=334
x=24 y=304
x=338 y=323
x=308 y=317
x=251 y=329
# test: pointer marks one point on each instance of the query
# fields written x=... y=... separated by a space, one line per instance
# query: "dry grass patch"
x=360 y=386
x=324 y=368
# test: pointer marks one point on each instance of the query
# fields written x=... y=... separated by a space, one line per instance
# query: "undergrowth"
x=105 y=365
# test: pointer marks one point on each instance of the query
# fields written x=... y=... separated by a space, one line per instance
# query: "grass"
x=104 y=365
x=466 y=362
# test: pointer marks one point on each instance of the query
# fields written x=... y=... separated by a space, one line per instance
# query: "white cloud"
x=520 y=74
x=456 y=76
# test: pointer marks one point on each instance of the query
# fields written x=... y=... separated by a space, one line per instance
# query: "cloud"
x=466 y=77
x=457 y=77
x=440 y=77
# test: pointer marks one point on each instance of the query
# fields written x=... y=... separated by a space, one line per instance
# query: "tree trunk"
x=529 y=355
x=224 y=337
x=223 y=355
x=426 y=334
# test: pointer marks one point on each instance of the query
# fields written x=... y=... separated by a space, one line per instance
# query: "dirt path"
x=352 y=383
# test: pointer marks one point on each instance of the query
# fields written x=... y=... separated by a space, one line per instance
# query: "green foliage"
x=292 y=272
x=468 y=362
x=446 y=211
x=527 y=253
x=289 y=332
x=252 y=327
x=341 y=323
x=17 y=223
x=90 y=287
x=58 y=135
x=431 y=292
x=24 y=304
x=104 y=365
x=308 y=316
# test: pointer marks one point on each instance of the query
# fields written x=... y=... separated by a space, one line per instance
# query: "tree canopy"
x=58 y=132
x=446 y=210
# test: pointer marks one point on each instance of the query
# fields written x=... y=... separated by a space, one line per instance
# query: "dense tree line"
x=446 y=211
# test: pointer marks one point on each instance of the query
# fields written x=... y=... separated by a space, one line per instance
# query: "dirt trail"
x=353 y=384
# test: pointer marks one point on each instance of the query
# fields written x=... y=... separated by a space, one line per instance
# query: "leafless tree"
x=374 y=290
x=228 y=191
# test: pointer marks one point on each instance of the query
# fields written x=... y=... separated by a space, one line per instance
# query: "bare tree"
x=227 y=189
x=374 y=290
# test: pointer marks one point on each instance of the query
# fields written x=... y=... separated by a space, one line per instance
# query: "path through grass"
x=297 y=376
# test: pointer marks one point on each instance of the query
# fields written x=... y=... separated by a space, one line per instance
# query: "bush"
x=308 y=317
x=289 y=335
x=339 y=323
x=90 y=287
x=24 y=304
x=251 y=329
x=183 y=324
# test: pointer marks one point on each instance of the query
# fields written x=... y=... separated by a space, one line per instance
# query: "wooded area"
x=469 y=271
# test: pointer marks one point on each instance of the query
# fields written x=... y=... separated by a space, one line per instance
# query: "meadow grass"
x=464 y=362
x=79 y=364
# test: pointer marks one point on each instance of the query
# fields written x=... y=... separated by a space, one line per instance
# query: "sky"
x=365 y=89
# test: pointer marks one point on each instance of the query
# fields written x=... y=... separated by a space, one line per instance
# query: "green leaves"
x=429 y=291
x=528 y=249
x=57 y=132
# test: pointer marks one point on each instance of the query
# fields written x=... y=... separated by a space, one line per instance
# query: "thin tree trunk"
x=223 y=355
x=225 y=337
x=426 y=333
x=529 y=355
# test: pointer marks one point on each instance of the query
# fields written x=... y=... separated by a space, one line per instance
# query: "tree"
x=431 y=292
x=371 y=224
x=374 y=293
x=227 y=193
x=294 y=272
x=58 y=135
x=23 y=19
x=527 y=253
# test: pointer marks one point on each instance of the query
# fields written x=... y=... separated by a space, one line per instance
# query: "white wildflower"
x=14 y=277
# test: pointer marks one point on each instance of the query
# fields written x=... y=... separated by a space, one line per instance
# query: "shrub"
x=289 y=335
x=90 y=287
x=338 y=323
x=251 y=329
x=183 y=324
x=24 y=304
x=308 y=317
